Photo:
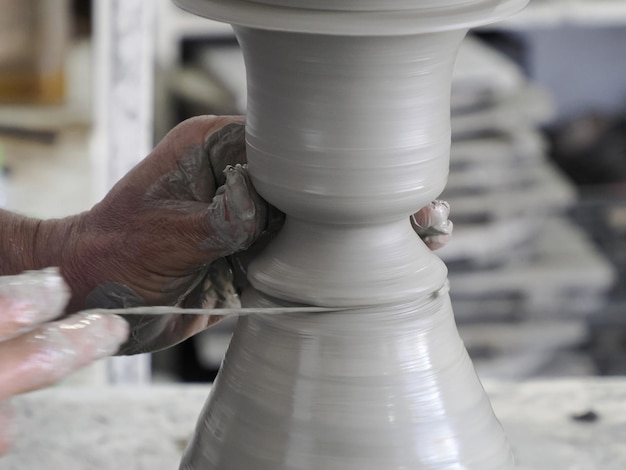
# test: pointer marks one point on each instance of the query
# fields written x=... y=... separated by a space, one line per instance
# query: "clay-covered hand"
x=36 y=351
x=153 y=238
x=432 y=225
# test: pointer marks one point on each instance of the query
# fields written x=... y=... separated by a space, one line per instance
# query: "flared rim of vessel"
x=353 y=23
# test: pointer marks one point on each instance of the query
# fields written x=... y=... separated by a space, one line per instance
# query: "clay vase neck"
x=348 y=136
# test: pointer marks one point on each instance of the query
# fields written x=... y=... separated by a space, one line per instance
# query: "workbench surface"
x=147 y=428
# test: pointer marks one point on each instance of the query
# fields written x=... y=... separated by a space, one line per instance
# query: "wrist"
x=57 y=243
x=54 y=241
x=17 y=243
x=28 y=243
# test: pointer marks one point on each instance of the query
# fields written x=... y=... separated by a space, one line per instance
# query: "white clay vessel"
x=348 y=133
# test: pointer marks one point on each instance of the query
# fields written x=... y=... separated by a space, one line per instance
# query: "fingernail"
x=107 y=332
x=35 y=296
x=442 y=203
x=116 y=329
x=238 y=189
x=119 y=326
x=441 y=209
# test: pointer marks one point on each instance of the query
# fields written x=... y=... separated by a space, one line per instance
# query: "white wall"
x=583 y=67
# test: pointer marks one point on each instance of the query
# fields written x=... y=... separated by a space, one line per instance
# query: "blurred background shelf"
x=557 y=13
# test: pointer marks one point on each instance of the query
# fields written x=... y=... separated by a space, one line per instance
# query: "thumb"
x=237 y=215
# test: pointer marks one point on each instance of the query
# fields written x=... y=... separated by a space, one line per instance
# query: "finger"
x=29 y=299
x=432 y=225
x=435 y=242
x=226 y=147
x=433 y=215
x=216 y=289
x=236 y=217
x=148 y=333
x=51 y=351
x=188 y=164
x=7 y=429
x=193 y=132
x=241 y=260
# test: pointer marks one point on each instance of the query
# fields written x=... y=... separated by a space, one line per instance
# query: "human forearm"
x=17 y=242
x=28 y=244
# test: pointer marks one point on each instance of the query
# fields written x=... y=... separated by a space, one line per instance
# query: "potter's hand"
x=35 y=351
x=153 y=238
x=432 y=225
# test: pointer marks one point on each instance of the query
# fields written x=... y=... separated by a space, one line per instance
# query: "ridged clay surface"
x=379 y=388
x=348 y=133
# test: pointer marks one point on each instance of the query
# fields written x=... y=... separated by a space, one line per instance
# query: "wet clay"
x=386 y=387
x=348 y=133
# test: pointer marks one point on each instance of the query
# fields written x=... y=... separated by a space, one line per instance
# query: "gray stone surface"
x=538 y=418
x=146 y=428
